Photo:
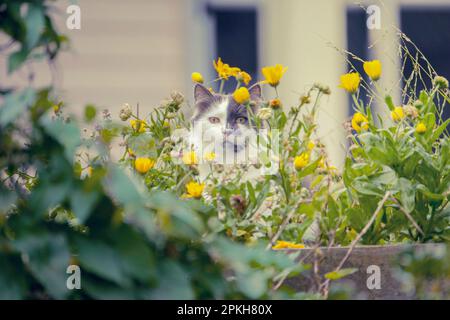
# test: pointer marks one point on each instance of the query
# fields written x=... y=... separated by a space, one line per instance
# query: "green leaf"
x=251 y=192
x=407 y=194
x=389 y=102
x=82 y=203
x=16 y=59
x=101 y=259
x=309 y=169
x=136 y=256
x=430 y=195
x=7 y=199
x=253 y=284
x=34 y=22
x=89 y=113
x=67 y=134
x=336 y=275
x=173 y=283
x=15 y=104
x=363 y=186
x=48 y=255
x=438 y=132
x=104 y=290
x=183 y=222
x=13 y=284
x=123 y=188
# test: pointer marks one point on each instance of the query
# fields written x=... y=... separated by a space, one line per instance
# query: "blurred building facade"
x=139 y=51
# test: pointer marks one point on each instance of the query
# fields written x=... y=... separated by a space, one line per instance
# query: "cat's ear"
x=255 y=92
x=202 y=94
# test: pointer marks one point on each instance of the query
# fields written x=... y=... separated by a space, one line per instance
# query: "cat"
x=223 y=127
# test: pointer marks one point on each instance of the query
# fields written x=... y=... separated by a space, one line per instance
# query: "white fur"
x=209 y=137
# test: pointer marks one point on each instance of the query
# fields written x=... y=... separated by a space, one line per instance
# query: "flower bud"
x=275 y=104
x=177 y=97
x=411 y=111
x=265 y=113
x=125 y=112
x=440 y=82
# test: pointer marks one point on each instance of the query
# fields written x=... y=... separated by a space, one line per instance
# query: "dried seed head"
x=440 y=82
x=305 y=99
x=125 y=112
x=177 y=97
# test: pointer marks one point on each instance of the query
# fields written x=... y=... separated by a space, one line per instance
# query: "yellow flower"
x=275 y=103
x=89 y=171
x=273 y=74
x=310 y=145
x=142 y=165
x=197 y=77
x=210 y=156
x=421 y=128
x=224 y=70
x=397 y=114
x=138 y=125
x=166 y=124
x=190 y=158
x=350 y=82
x=57 y=107
x=373 y=69
x=241 y=95
x=194 y=190
x=301 y=161
x=359 y=122
x=244 y=77
x=287 y=245
x=322 y=163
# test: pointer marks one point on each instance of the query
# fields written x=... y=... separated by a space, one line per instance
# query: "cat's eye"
x=214 y=120
x=241 y=120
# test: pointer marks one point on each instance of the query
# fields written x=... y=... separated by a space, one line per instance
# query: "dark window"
x=357 y=43
x=429 y=29
x=236 y=39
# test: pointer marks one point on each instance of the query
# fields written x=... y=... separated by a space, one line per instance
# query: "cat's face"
x=221 y=124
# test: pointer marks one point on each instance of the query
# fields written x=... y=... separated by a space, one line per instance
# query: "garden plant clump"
x=400 y=157
x=148 y=226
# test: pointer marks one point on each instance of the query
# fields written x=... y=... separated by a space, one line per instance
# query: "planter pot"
x=376 y=277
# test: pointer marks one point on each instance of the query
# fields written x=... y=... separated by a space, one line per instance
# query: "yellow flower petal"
x=194 y=189
x=301 y=161
x=273 y=74
x=224 y=70
x=138 y=125
x=210 y=156
x=373 y=69
x=197 y=77
x=421 y=128
x=359 y=122
x=241 y=95
x=244 y=77
x=190 y=158
x=397 y=114
x=287 y=245
x=350 y=82
x=143 y=165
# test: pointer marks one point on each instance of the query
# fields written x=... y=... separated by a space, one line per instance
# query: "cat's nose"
x=227 y=132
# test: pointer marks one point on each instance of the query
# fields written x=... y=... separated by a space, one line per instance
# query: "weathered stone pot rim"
x=363 y=247
x=369 y=261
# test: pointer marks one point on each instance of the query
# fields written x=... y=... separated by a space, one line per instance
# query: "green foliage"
x=425 y=271
x=59 y=208
x=414 y=167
